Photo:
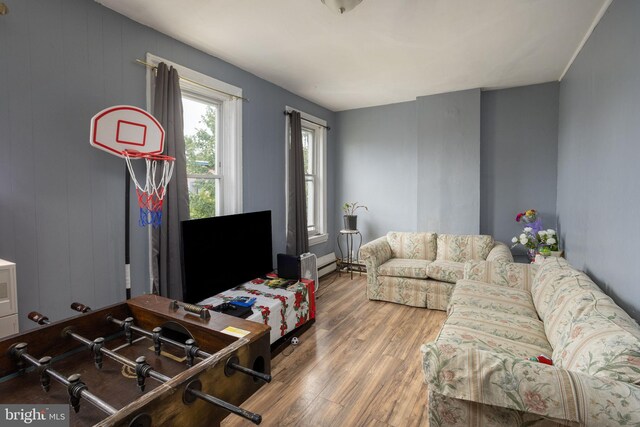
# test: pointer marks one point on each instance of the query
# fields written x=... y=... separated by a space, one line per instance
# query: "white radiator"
x=309 y=267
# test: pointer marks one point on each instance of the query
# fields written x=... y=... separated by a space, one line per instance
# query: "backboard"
x=125 y=127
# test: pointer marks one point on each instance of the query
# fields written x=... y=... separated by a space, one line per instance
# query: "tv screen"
x=222 y=252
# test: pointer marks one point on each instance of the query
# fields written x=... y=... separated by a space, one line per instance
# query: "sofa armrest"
x=500 y=252
x=500 y=380
x=509 y=274
x=375 y=252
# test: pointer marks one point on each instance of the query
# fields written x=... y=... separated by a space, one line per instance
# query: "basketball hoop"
x=117 y=130
x=159 y=169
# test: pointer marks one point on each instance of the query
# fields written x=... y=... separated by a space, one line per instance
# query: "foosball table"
x=149 y=361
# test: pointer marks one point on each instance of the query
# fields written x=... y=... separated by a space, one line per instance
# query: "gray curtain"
x=297 y=234
x=165 y=240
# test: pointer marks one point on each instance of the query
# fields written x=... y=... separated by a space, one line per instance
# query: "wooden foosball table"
x=149 y=361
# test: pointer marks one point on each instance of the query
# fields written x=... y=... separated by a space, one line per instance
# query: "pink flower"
x=633 y=360
x=448 y=376
x=447 y=349
x=519 y=216
x=575 y=332
x=447 y=415
x=534 y=401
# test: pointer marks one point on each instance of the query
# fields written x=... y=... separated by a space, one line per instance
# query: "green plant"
x=351 y=208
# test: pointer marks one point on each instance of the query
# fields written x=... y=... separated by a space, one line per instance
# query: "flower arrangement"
x=528 y=239
x=533 y=237
x=527 y=216
x=548 y=239
x=530 y=218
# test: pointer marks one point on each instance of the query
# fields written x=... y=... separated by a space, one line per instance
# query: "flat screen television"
x=222 y=252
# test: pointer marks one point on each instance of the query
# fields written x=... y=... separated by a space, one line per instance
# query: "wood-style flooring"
x=358 y=365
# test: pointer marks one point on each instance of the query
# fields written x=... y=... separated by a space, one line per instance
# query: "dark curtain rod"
x=288 y=113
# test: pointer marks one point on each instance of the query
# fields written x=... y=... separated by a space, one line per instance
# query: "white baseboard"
x=326 y=264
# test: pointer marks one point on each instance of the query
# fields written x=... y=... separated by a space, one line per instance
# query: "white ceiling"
x=383 y=51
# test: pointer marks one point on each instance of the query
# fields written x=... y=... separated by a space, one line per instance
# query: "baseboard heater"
x=326 y=264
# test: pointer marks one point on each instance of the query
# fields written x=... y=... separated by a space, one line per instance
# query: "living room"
x=563 y=144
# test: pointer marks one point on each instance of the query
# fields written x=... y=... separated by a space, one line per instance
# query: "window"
x=201 y=133
x=314 y=150
x=212 y=113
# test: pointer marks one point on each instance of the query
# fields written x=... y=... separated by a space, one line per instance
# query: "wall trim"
x=594 y=24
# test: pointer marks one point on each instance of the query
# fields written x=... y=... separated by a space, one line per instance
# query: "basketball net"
x=159 y=169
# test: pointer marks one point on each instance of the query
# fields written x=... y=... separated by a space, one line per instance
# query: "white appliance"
x=8 y=299
x=309 y=267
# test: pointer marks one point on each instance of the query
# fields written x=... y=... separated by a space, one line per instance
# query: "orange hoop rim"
x=134 y=154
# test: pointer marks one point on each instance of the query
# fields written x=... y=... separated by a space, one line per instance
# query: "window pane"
x=202 y=197
x=200 y=136
x=310 y=192
x=307 y=149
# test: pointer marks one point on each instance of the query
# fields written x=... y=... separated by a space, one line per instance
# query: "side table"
x=350 y=259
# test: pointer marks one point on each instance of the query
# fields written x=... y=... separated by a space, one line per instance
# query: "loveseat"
x=479 y=371
x=420 y=269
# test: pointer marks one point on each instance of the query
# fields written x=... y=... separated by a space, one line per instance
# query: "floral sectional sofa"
x=479 y=371
x=421 y=269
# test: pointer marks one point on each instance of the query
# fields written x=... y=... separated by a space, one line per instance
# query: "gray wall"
x=449 y=162
x=599 y=154
x=518 y=157
x=376 y=166
x=417 y=163
x=62 y=201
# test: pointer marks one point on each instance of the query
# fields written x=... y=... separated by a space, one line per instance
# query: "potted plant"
x=350 y=217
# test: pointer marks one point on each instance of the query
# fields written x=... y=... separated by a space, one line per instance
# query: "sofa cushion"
x=520 y=336
x=500 y=252
x=496 y=298
x=573 y=294
x=446 y=271
x=546 y=281
x=462 y=248
x=600 y=339
x=510 y=274
x=509 y=326
x=401 y=267
x=412 y=245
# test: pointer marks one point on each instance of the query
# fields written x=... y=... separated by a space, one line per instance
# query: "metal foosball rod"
x=40 y=319
x=80 y=307
x=97 y=347
x=144 y=370
x=128 y=326
x=190 y=348
x=76 y=388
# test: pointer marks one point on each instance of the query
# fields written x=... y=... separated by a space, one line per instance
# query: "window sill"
x=318 y=238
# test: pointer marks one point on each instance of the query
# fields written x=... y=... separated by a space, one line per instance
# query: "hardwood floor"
x=358 y=365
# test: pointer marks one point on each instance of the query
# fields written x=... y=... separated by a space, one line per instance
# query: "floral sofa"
x=479 y=371
x=421 y=269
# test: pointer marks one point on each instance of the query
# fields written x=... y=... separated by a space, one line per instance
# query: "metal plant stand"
x=352 y=256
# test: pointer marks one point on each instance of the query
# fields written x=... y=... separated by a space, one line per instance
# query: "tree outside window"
x=201 y=149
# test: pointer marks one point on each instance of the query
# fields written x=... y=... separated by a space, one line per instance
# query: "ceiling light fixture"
x=341 y=6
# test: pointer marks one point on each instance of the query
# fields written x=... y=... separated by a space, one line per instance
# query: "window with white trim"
x=212 y=114
x=314 y=151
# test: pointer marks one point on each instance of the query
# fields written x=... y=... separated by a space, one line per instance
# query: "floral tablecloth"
x=283 y=309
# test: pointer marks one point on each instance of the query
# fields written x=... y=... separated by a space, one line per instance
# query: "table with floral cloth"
x=283 y=309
